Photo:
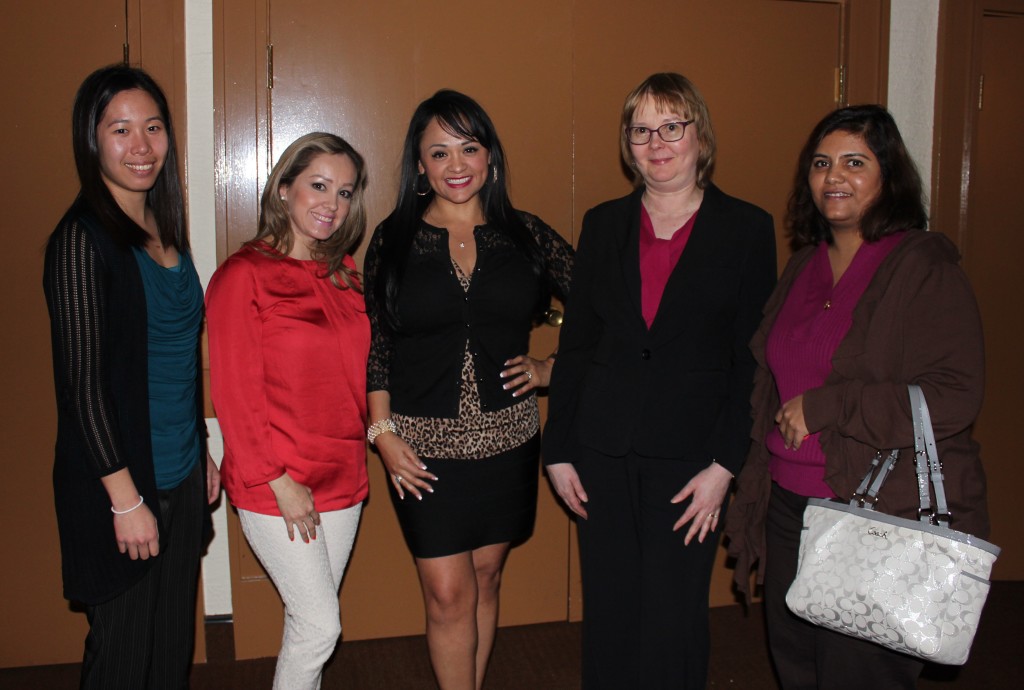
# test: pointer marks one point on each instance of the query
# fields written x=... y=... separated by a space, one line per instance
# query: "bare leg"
x=461 y=597
x=488 y=562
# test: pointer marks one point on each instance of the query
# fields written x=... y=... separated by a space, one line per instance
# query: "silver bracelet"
x=379 y=427
x=125 y=512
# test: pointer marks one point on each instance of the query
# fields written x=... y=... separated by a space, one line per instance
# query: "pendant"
x=462 y=245
x=828 y=304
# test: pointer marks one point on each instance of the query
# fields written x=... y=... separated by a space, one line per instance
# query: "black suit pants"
x=645 y=594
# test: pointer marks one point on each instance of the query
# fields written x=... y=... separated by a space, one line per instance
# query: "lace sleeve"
x=75 y=295
x=378 y=366
x=558 y=254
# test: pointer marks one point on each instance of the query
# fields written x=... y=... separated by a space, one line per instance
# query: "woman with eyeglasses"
x=649 y=414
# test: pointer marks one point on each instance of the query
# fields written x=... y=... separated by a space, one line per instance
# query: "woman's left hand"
x=707 y=492
x=792 y=426
x=212 y=479
x=525 y=373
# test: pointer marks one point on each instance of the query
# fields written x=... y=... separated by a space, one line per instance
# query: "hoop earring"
x=495 y=175
x=416 y=186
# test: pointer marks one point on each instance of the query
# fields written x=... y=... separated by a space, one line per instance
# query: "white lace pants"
x=307 y=577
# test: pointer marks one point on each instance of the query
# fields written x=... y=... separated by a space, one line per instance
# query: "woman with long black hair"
x=456 y=279
x=131 y=475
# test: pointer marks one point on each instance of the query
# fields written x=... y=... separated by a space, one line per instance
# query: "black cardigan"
x=98 y=329
x=421 y=365
x=680 y=389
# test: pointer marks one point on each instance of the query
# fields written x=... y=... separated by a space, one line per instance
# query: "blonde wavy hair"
x=275 y=224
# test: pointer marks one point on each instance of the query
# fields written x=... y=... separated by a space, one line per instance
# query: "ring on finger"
x=529 y=376
x=398 y=478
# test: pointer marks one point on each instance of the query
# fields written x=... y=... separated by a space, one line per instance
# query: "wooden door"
x=552 y=75
x=993 y=247
x=975 y=182
x=47 y=51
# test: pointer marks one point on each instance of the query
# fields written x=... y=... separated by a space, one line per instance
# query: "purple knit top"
x=813 y=320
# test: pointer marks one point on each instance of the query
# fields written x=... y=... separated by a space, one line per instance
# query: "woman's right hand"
x=137 y=534
x=568 y=486
x=406 y=471
x=295 y=501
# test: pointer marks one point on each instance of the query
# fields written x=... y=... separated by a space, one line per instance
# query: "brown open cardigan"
x=917 y=322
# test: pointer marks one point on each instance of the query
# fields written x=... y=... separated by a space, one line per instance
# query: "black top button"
x=645 y=354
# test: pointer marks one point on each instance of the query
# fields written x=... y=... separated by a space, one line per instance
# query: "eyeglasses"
x=670 y=131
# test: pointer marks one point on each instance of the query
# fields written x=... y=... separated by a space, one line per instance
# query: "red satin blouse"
x=288 y=379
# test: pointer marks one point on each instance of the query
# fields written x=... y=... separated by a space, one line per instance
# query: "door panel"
x=49 y=50
x=552 y=75
x=39 y=175
x=994 y=243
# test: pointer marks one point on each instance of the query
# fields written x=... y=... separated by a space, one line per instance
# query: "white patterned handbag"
x=916 y=587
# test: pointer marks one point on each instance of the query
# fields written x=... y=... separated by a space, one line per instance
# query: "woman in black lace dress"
x=456 y=279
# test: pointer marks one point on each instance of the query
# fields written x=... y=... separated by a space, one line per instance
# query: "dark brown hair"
x=899 y=205
x=165 y=198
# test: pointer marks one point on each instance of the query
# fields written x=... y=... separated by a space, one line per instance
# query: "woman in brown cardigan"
x=869 y=303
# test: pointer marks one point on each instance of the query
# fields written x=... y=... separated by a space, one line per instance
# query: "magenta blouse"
x=813 y=320
x=658 y=258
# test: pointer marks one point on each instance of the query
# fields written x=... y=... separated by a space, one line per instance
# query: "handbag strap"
x=928 y=467
x=929 y=470
x=866 y=496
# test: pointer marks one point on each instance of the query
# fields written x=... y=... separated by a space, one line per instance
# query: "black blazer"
x=682 y=388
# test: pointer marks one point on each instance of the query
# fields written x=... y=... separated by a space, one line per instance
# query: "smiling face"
x=665 y=167
x=132 y=143
x=845 y=179
x=318 y=200
x=456 y=168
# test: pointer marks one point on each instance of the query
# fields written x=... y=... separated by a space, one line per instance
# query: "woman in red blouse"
x=288 y=345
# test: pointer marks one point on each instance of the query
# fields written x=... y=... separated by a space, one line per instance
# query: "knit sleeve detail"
x=75 y=293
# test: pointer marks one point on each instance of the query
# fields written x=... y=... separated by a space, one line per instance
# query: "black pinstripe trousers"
x=144 y=637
